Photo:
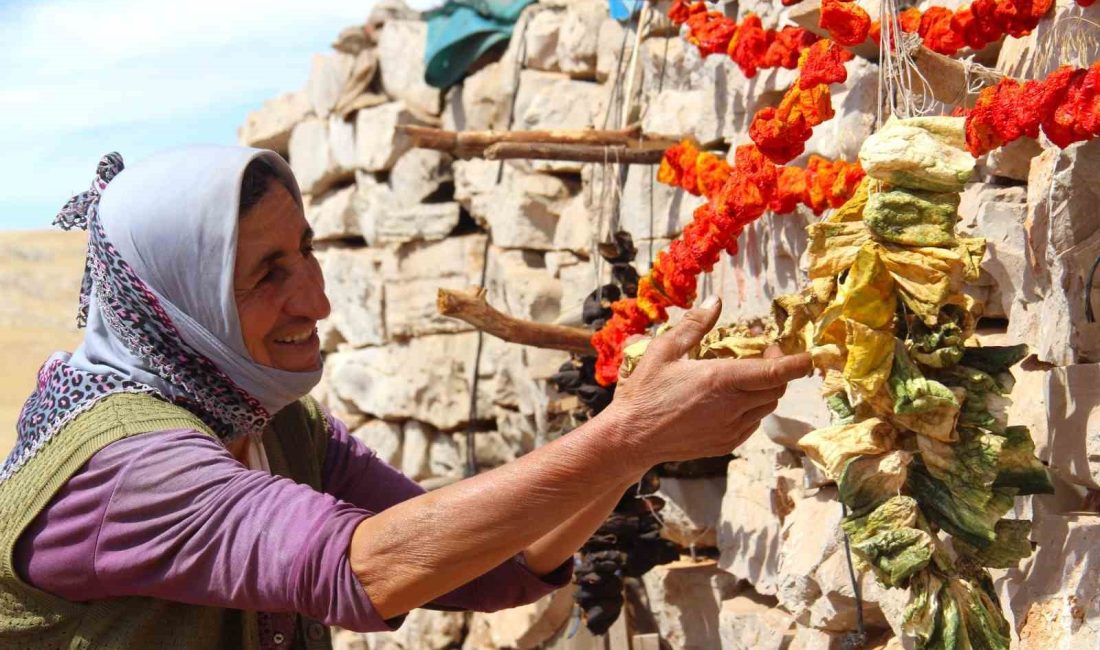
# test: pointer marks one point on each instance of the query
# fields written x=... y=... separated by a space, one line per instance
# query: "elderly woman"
x=173 y=486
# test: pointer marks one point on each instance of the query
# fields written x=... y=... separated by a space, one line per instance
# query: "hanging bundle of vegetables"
x=919 y=447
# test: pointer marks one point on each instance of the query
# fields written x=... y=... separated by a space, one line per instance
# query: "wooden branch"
x=470 y=306
x=465 y=143
x=574 y=152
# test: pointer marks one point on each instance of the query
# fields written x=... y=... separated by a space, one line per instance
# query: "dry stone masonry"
x=764 y=564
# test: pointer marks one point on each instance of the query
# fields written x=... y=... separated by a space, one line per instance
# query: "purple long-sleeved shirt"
x=173 y=515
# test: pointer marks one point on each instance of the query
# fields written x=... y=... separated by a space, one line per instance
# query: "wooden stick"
x=461 y=141
x=574 y=152
x=470 y=306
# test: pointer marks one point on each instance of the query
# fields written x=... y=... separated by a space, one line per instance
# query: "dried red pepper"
x=847 y=22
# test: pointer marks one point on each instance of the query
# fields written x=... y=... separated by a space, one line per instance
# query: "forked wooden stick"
x=574 y=152
x=470 y=306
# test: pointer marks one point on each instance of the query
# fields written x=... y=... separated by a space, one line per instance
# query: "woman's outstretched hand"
x=674 y=408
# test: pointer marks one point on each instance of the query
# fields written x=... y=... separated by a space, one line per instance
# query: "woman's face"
x=277 y=280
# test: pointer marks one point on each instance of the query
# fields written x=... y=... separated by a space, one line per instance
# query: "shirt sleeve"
x=354 y=473
x=173 y=515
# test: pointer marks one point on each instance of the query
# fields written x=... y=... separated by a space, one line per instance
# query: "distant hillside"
x=39 y=284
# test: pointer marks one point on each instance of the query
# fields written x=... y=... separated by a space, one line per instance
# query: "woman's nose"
x=307 y=293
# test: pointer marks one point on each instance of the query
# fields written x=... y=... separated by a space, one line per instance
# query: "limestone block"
x=419 y=174
x=548 y=100
x=327 y=75
x=445 y=457
x=482 y=100
x=747 y=623
x=652 y=210
x=731 y=98
x=519 y=284
x=577 y=281
x=332 y=216
x=385 y=438
x=685 y=598
x=766 y=266
x=576 y=227
x=609 y=45
x=401 y=45
x=426 y=378
x=338 y=408
x=541 y=37
x=667 y=64
x=423 y=629
x=854 y=102
x=1013 y=160
x=523 y=628
x=378 y=145
x=354 y=288
x=411 y=307
x=385 y=11
x=692 y=510
x=322 y=153
x=760 y=487
x=998 y=214
x=270 y=126
x=800 y=411
x=1072 y=398
x=416 y=450
x=813 y=581
x=578 y=38
x=353 y=39
x=1063 y=230
x=807 y=638
x=521 y=211
x=677 y=113
x=455 y=261
x=1055 y=41
x=1054 y=597
x=424 y=222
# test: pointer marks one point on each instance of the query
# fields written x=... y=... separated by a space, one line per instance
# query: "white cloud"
x=80 y=78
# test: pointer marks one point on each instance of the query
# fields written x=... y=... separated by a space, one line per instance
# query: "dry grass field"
x=40 y=275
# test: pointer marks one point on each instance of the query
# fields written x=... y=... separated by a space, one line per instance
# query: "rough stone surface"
x=401 y=45
x=1072 y=396
x=521 y=211
x=692 y=510
x=423 y=630
x=270 y=126
x=420 y=174
x=748 y=623
x=522 y=628
x=332 y=215
x=378 y=145
x=385 y=438
x=1063 y=241
x=578 y=38
x=426 y=378
x=686 y=597
x=327 y=76
x=760 y=487
x=354 y=287
x=541 y=36
x=322 y=153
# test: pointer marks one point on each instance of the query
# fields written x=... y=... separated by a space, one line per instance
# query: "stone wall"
x=394 y=224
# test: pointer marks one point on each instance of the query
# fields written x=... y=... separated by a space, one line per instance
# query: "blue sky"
x=84 y=77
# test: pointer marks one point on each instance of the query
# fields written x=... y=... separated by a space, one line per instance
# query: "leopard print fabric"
x=134 y=314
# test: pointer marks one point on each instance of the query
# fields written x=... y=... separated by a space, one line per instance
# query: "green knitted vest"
x=29 y=618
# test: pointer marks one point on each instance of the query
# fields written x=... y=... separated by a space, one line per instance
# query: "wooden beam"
x=470 y=306
x=574 y=152
x=444 y=140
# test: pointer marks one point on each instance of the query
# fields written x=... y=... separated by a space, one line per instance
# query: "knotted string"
x=76 y=214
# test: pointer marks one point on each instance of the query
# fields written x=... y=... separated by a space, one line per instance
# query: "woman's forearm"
x=427 y=546
x=553 y=548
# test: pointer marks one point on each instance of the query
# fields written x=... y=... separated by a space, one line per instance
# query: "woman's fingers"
x=757 y=374
x=686 y=334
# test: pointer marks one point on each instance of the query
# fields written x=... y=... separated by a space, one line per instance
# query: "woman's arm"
x=669 y=409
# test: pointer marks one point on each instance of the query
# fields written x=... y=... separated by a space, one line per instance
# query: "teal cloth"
x=461 y=32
